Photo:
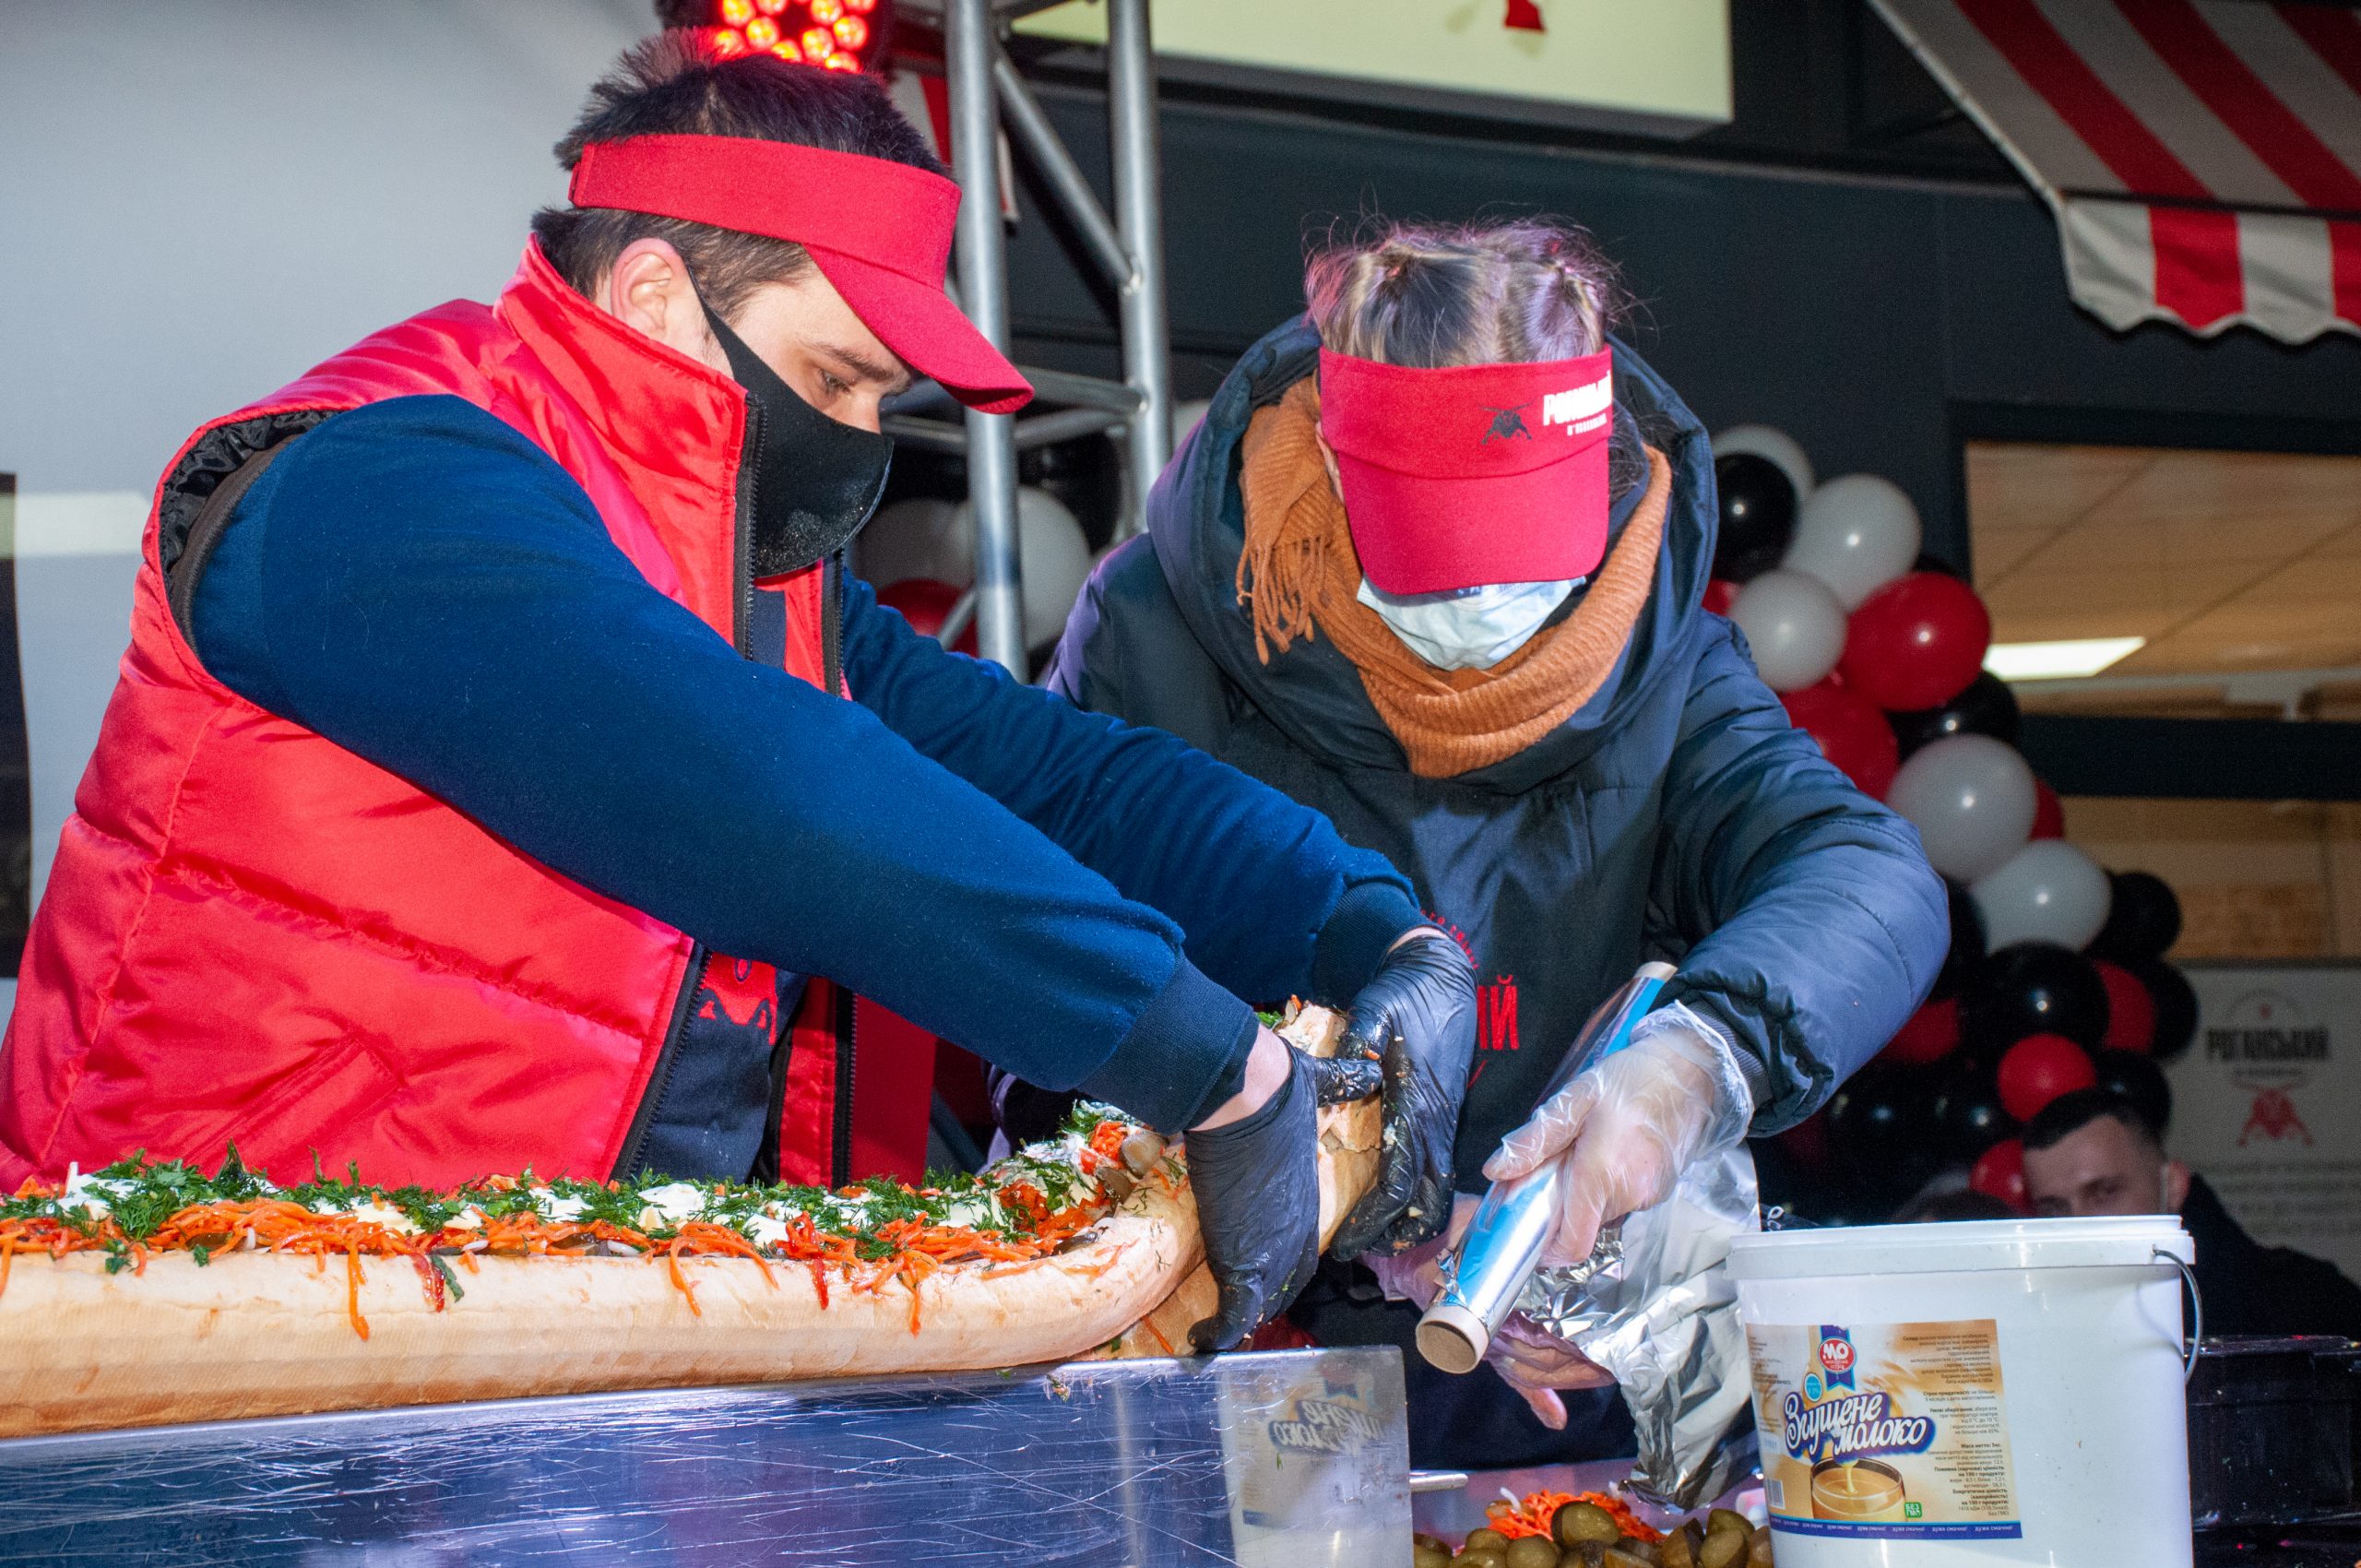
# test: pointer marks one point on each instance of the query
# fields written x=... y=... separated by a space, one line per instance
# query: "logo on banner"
x=2274 y=1048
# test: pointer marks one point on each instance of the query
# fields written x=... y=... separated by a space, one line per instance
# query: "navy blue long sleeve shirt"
x=1079 y=900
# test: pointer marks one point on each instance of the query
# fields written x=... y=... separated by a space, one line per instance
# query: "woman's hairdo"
x=1435 y=294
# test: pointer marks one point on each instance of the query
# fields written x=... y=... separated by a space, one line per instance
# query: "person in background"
x=1433 y=562
x=2094 y=1152
x=507 y=773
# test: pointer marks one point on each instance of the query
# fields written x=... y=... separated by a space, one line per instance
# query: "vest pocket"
x=319 y=1110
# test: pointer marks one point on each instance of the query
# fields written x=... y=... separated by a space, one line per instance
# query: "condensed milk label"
x=1895 y=1430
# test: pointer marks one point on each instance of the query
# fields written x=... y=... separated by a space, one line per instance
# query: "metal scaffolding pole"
x=1139 y=214
x=968 y=45
x=1127 y=249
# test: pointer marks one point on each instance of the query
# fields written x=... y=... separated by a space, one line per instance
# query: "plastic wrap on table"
x=1297 y=1459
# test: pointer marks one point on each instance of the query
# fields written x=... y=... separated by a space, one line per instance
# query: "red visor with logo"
x=879 y=231
x=1470 y=475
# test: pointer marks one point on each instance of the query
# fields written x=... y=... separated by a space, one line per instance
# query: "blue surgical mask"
x=1468 y=628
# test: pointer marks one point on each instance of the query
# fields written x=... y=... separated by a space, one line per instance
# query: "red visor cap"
x=879 y=231
x=1469 y=475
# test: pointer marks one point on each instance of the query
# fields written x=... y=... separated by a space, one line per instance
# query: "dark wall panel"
x=1852 y=313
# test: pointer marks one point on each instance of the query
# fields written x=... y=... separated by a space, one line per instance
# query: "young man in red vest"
x=505 y=772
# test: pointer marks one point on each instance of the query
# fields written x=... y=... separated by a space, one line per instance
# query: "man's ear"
x=649 y=290
x=2176 y=1192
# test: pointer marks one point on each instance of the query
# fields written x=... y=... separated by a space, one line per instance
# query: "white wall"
x=198 y=200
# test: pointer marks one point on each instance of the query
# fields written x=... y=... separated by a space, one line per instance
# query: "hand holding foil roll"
x=1504 y=1243
x=1645 y=1118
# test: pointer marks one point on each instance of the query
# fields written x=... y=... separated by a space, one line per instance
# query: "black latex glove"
x=1257 y=1182
x=1419 y=1017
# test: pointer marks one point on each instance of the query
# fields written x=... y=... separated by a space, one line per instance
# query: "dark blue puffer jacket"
x=1677 y=815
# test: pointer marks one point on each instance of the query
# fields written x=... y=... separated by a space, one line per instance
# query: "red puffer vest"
x=251 y=934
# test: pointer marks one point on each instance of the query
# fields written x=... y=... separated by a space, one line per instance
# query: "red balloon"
x=1999 y=1172
x=1853 y=734
x=1916 y=643
x=2049 y=811
x=925 y=603
x=2130 y=1011
x=2039 y=1068
x=1931 y=1034
x=1720 y=594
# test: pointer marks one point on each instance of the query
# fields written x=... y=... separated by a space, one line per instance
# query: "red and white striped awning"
x=2203 y=157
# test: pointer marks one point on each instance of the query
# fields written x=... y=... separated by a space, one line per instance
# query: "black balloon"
x=2135 y=1075
x=1758 y=502
x=1967 y=953
x=2142 y=921
x=2033 y=987
x=1880 y=1127
x=2175 y=1005
x=1968 y=1117
x=1987 y=707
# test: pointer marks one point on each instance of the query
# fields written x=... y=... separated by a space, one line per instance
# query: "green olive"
x=1616 y=1557
x=1583 y=1555
x=1757 y=1550
x=1579 y=1522
x=1532 y=1551
x=1481 y=1557
x=1481 y=1538
x=1645 y=1551
x=1679 y=1550
x=1722 y=1519
x=1723 y=1549
x=1427 y=1553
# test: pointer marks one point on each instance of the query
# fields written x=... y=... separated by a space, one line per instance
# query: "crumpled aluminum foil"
x=1654 y=1305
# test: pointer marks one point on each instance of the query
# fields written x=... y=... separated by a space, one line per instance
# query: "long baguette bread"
x=258 y=1334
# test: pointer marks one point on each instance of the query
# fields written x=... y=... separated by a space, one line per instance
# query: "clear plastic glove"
x=1632 y=1122
x=1417 y=1018
x=1528 y=1358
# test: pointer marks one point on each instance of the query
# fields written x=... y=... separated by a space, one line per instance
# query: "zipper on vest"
x=741 y=579
x=668 y=1062
x=840 y=1153
x=832 y=661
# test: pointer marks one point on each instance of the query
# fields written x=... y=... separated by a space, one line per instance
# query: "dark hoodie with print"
x=1675 y=816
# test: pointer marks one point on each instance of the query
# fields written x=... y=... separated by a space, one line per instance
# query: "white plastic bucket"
x=1971 y=1393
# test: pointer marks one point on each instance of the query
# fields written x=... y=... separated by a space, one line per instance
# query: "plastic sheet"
x=1297 y=1459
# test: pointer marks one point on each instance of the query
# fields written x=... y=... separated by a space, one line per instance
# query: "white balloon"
x=2048 y=891
x=1794 y=627
x=1763 y=441
x=1855 y=533
x=1052 y=558
x=1972 y=799
x=918 y=538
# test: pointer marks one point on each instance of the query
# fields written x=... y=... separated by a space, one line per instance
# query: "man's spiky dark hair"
x=675 y=84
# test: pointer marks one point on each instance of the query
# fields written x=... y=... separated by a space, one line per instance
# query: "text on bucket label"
x=1884 y=1429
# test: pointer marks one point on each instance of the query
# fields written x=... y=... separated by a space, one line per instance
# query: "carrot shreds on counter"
x=1538 y=1512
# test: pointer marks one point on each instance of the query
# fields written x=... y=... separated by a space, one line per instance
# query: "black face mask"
x=817 y=481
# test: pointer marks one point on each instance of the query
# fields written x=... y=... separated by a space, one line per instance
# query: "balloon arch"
x=2055 y=978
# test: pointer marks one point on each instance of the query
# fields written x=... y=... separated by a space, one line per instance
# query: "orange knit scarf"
x=1299 y=574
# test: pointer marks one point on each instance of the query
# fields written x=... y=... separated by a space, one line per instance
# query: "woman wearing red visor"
x=1432 y=564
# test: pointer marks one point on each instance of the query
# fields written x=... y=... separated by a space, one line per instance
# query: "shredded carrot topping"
x=249 y=1215
x=1538 y=1513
